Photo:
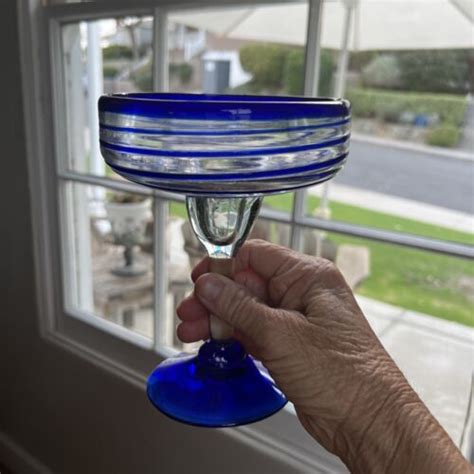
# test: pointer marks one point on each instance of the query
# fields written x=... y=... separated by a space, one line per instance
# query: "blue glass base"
x=220 y=386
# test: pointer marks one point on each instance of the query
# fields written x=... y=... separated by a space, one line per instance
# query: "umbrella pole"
x=343 y=59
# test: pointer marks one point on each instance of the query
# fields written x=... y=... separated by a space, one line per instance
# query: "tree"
x=435 y=70
x=131 y=25
x=279 y=68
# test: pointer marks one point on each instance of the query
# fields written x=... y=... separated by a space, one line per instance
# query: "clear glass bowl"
x=224 y=145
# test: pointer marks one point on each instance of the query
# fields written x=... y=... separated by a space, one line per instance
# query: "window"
x=120 y=267
x=117 y=256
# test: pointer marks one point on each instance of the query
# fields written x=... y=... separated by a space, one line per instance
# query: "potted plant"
x=128 y=215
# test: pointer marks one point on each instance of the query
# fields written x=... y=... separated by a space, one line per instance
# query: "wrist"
x=373 y=440
x=370 y=435
x=397 y=433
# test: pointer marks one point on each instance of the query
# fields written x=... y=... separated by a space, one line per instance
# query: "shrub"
x=183 y=71
x=293 y=75
x=293 y=78
x=390 y=111
x=359 y=59
x=116 y=51
x=281 y=69
x=143 y=78
x=382 y=72
x=109 y=71
x=266 y=63
x=326 y=73
x=363 y=102
x=384 y=104
x=445 y=135
x=435 y=71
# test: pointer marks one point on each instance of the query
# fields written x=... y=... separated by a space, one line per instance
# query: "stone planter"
x=128 y=222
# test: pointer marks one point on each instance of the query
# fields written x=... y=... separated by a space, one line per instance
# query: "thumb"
x=233 y=303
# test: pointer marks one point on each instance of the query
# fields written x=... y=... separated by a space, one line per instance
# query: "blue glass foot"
x=220 y=386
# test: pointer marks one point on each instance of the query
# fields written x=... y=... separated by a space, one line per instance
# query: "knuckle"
x=329 y=270
x=257 y=242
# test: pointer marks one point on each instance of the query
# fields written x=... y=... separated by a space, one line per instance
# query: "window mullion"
x=160 y=50
x=296 y=236
x=311 y=79
x=110 y=183
x=162 y=332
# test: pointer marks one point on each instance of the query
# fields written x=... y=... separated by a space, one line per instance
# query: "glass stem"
x=219 y=329
x=222 y=224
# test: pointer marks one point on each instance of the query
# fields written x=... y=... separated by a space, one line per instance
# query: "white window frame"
x=104 y=344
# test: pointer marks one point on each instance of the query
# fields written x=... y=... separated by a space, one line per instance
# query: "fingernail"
x=211 y=288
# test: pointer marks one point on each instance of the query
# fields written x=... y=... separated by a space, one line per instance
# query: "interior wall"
x=70 y=415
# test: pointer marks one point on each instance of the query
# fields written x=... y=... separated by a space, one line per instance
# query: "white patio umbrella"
x=347 y=25
x=377 y=24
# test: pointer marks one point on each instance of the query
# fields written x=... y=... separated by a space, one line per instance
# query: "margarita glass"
x=224 y=152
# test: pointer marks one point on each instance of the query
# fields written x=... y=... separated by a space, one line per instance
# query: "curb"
x=429 y=150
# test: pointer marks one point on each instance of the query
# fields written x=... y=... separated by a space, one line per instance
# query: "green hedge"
x=109 y=71
x=293 y=73
x=389 y=105
x=280 y=69
x=445 y=136
x=444 y=71
x=326 y=72
x=266 y=63
x=143 y=78
x=183 y=71
x=116 y=51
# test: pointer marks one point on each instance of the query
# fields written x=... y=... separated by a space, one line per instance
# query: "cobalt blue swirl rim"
x=222 y=107
x=224 y=144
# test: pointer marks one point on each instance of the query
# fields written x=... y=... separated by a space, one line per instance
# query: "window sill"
x=280 y=436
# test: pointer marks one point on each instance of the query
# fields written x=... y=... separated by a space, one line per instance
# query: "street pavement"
x=441 y=181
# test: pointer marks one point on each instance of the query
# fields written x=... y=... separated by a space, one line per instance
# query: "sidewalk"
x=397 y=206
x=467 y=140
x=465 y=153
x=436 y=357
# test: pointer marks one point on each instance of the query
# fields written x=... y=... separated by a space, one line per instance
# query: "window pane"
x=279 y=202
x=183 y=252
x=272 y=231
x=354 y=205
x=231 y=51
x=105 y=56
x=108 y=255
x=409 y=279
x=412 y=120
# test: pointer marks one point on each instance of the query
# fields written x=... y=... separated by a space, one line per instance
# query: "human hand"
x=297 y=315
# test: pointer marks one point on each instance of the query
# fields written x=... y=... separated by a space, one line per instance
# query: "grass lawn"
x=427 y=282
x=361 y=216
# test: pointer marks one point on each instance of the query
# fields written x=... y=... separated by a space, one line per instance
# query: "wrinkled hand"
x=297 y=315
